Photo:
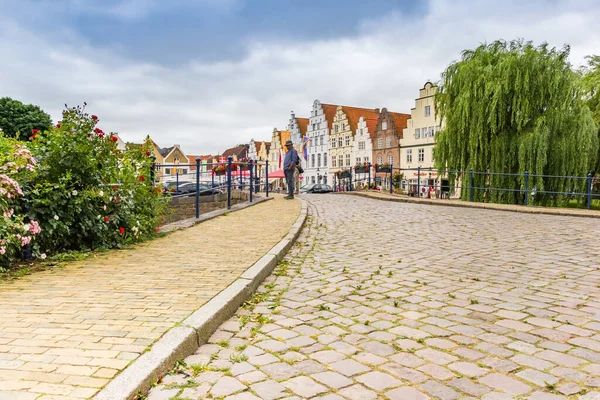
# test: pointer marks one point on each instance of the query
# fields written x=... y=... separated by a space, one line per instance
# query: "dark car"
x=190 y=188
x=320 y=188
x=169 y=187
x=306 y=188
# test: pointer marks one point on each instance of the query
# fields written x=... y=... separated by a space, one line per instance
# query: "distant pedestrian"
x=289 y=166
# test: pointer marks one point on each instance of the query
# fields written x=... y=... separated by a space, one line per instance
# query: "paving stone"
x=241 y=396
x=252 y=377
x=407 y=374
x=304 y=386
x=499 y=364
x=544 y=396
x=505 y=384
x=537 y=377
x=358 y=392
x=378 y=348
x=437 y=371
x=332 y=379
x=435 y=356
x=280 y=371
x=378 y=380
x=406 y=393
x=468 y=369
x=439 y=390
x=468 y=386
x=349 y=367
x=309 y=367
x=269 y=390
x=569 y=388
x=226 y=386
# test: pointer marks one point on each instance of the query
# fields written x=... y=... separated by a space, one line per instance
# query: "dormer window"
x=384 y=125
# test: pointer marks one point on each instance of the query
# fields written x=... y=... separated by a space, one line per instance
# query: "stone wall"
x=185 y=207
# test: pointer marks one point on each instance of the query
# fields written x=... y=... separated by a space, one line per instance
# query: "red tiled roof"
x=400 y=122
x=354 y=114
x=239 y=151
x=302 y=125
x=329 y=110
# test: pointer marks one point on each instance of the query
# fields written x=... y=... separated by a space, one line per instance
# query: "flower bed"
x=383 y=167
x=361 y=168
x=344 y=174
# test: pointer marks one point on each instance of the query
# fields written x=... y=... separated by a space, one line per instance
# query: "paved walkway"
x=382 y=300
x=65 y=333
x=574 y=212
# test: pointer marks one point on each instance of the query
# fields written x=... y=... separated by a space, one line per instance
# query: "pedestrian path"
x=382 y=300
x=66 y=332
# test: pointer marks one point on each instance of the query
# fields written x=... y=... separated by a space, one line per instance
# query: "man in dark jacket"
x=289 y=167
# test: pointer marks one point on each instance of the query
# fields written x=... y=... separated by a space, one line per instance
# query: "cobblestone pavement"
x=383 y=300
x=65 y=333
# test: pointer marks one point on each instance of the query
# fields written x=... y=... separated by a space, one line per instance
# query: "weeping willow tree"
x=511 y=107
x=590 y=83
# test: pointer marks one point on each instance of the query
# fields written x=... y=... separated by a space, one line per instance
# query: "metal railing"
x=211 y=179
x=523 y=189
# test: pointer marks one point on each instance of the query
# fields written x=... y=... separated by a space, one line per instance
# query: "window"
x=384 y=125
x=314 y=127
x=361 y=145
x=176 y=160
x=333 y=161
x=185 y=171
x=366 y=159
x=322 y=139
x=347 y=160
x=340 y=141
x=336 y=128
x=417 y=133
x=427 y=111
x=318 y=125
x=391 y=160
x=325 y=159
x=333 y=142
x=318 y=160
x=421 y=155
x=347 y=140
x=168 y=171
x=379 y=160
x=312 y=160
x=313 y=179
x=340 y=161
x=388 y=141
x=361 y=131
x=358 y=160
x=431 y=131
x=409 y=155
x=380 y=143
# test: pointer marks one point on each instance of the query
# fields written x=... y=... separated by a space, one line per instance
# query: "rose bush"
x=16 y=230
x=86 y=193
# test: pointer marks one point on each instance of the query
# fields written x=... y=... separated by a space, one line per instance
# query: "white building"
x=298 y=127
x=319 y=126
x=417 y=144
x=362 y=148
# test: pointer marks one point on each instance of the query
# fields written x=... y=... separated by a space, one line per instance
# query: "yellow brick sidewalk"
x=65 y=333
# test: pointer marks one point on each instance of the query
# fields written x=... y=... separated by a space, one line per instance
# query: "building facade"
x=418 y=142
x=362 y=148
x=386 y=146
x=319 y=125
x=297 y=128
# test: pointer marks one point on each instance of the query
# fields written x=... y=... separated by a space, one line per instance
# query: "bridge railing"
x=211 y=179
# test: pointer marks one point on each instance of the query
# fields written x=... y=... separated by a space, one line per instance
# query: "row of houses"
x=332 y=138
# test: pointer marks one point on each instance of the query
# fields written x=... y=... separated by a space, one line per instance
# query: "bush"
x=86 y=193
x=16 y=230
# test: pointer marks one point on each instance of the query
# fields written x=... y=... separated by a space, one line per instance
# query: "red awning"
x=277 y=174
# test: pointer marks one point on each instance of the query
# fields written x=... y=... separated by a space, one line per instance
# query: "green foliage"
x=590 y=83
x=86 y=193
x=511 y=107
x=18 y=120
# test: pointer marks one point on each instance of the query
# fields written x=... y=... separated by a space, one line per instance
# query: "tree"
x=590 y=83
x=511 y=107
x=18 y=120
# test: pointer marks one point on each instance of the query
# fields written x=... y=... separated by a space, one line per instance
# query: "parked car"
x=306 y=188
x=320 y=188
x=190 y=188
x=169 y=187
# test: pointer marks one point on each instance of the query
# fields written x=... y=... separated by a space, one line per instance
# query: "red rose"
x=106 y=219
x=95 y=118
x=114 y=138
x=148 y=153
x=32 y=137
x=115 y=188
x=162 y=217
x=89 y=134
x=157 y=229
x=98 y=130
x=142 y=178
x=34 y=131
x=58 y=125
x=122 y=230
x=101 y=135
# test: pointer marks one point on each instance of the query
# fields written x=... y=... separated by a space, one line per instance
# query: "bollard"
x=251 y=176
x=197 y=187
x=526 y=188
x=589 y=193
x=391 y=178
x=471 y=184
x=419 y=181
x=267 y=178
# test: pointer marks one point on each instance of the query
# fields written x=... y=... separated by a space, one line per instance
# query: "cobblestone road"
x=65 y=333
x=403 y=301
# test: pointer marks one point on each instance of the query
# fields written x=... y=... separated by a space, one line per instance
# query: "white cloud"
x=207 y=107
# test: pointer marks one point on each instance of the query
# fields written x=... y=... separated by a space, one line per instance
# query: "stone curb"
x=186 y=223
x=483 y=206
x=182 y=341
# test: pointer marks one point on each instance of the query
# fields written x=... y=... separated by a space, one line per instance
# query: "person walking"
x=289 y=166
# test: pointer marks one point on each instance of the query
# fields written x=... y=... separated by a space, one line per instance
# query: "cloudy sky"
x=208 y=74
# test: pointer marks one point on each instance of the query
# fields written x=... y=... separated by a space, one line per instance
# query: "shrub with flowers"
x=86 y=193
x=16 y=230
x=220 y=169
